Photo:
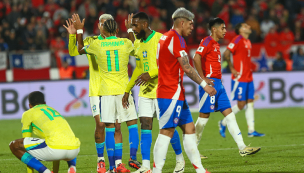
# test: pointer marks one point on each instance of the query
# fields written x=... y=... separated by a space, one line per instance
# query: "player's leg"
x=250 y=112
x=72 y=165
x=99 y=133
x=176 y=145
x=189 y=139
x=108 y=116
x=18 y=149
x=118 y=144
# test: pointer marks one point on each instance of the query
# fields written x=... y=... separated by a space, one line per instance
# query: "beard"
x=141 y=35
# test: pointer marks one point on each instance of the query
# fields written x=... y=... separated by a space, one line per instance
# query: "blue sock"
x=30 y=161
x=133 y=140
x=145 y=145
x=118 y=151
x=110 y=144
x=100 y=149
x=175 y=142
x=72 y=162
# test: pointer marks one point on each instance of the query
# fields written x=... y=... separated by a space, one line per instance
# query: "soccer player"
x=56 y=139
x=112 y=57
x=146 y=75
x=174 y=111
x=94 y=86
x=207 y=61
x=242 y=88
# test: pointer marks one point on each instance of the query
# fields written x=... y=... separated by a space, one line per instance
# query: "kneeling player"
x=208 y=64
x=56 y=139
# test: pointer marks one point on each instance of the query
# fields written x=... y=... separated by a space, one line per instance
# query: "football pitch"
x=282 y=147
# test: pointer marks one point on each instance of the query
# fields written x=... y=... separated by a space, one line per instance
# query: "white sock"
x=235 y=109
x=47 y=171
x=180 y=157
x=192 y=152
x=100 y=159
x=160 y=152
x=117 y=162
x=234 y=130
x=250 y=117
x=146 y=163
x=199 y=128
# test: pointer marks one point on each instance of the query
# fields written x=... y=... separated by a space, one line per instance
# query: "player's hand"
x=125 y=101
x=76 y=22
x=210 y=90
x=143 y=79
x=234 y=72
x=128 y=22
x=70 y=27
x=209 y=81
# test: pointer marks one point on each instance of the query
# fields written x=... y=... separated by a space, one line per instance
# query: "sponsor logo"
x=257 y=93
x=200 y=49
x=231 y=45
x=78 y=99
x=163 y=37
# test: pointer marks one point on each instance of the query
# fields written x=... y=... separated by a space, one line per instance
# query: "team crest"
x=145 y=54
x=212 y=107
x=94 y=108
x=240 y=96
x=175 y=120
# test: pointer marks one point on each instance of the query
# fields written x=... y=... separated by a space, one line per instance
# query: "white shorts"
x=112 y=109
x=147 y=107
x=95 y=105
x=38 y=149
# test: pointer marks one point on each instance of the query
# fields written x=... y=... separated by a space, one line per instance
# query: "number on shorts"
x=240 y=90
x=178 y=110
x=212 y=99
x=54 y=112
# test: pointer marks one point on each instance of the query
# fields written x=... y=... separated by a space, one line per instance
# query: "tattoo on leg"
x=146 y=123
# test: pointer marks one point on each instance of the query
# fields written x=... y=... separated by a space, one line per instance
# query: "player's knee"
x=117 y=128
x=241 y=104
x=100 y=125
x=12 y=145
x=146 y=124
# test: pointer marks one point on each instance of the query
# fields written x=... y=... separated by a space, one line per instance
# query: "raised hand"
x=76 y=22
x=70 y=27
x=128 y=22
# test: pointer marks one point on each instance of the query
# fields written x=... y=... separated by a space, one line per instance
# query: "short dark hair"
x=110 y=26
x=215 y=21
x=36 y=98
x=142 y=16
x=238 y=27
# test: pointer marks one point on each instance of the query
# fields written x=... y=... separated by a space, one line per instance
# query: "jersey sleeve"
x=137 y=71
x=232 y=45
x=91 y=48
x=27 y=128
x=129 y=46
x=179 y=48
x=72 y=45
x=202 y=49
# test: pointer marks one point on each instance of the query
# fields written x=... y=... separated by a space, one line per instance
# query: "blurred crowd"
x=38 y=24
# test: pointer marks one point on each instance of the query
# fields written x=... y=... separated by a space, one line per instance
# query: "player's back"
x=241 y=51
x=47 y=123
x=209 y=50
x=170 y=74
x=112 y=56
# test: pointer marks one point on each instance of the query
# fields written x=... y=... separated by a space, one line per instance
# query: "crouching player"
x=56 y=139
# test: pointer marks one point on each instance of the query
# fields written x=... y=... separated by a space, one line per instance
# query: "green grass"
x=282 y=147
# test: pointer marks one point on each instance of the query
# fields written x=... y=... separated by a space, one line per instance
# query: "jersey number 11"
x=108 y=52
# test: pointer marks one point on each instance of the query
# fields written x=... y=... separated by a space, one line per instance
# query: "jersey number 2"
x=108 y=52
x=49 y=115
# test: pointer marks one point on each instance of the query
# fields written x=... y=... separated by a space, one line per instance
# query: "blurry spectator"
x=266 y=25
x=286 y=39
x=255 y=27
x=66 y=71
x=37 y=3
x=5 y=9
x=201 y=32
x=224 y=14
x=158 y=25
x=237 y=17
x=39 y=11
x=30 y=44
x=26 y=13
x=298 y=31
x=272 y=40
x=217 y=7
x=298 y=59
x=12 y=16
x=3 y=45
x=60 y=13
x=41 y=27
x=5 y=29
x=273 y=17
x=300 y=17
x=40 y=40
x=30 y=32
x=84 y=9
x=47 y=20
x=12 y=42
x=51 y=7
x=279 y=64
x=57 y=44
x=90 y=21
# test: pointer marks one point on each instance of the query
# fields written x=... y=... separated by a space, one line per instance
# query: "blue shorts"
x=173 y=113
x=242 y=91
x=219 y=102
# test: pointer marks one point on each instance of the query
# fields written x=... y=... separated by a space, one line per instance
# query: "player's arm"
x=79 y=28
x=192 y=74
x=128 y=23
x=198 y=65
x=227 y=58
x=73 y=51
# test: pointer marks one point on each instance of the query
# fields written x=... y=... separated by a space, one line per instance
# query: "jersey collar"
x=111 y=37
x=149 y=37
x=100 y=37
x=39 y=105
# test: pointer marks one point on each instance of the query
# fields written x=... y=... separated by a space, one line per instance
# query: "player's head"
x=36 y=98
x=242 y=28
x=110 y=28
x=183 y=19
x=102 y=19
x=217 y=27
x=140 y=23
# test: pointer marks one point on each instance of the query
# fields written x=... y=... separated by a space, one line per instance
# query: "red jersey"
x=170 y=74
x=209 y=49
x=241 y=51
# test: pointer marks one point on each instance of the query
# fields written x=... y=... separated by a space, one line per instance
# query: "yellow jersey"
x=112 y=55
x=145 y=54
x=95 y=81
x=48 y=124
